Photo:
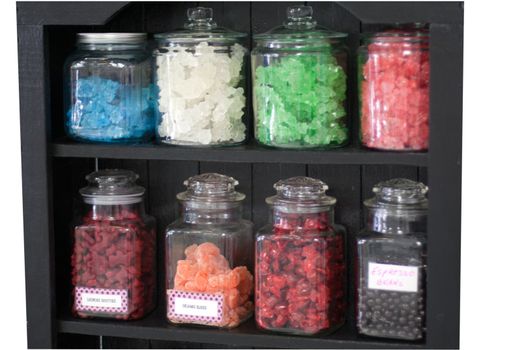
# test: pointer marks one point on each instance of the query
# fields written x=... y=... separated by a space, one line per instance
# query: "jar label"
x=193 y=306
x=392 y=277
x=101 y=300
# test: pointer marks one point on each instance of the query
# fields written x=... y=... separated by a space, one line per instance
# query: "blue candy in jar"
x=110 y=96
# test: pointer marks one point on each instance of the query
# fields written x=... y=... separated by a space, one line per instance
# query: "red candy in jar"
x=394 y=90
x=113 y=261
x=300 y=273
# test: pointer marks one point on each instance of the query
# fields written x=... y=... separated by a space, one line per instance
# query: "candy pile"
x=114 y=253
x=300 y=275
x=299 y=102
x=205 y=270
x=395 y=96
x=199 y=98
x=105 y=110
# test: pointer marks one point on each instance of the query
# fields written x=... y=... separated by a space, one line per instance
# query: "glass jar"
x=300 y=270
x=394 y=72
x=209 y=255
x=299 y=84
x=391 y=254
x=200 y=77
x=108 y=83
x=114 y=249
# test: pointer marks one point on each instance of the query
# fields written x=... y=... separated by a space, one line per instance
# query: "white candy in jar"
x=199 y=100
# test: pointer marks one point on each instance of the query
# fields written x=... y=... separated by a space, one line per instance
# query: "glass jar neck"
x=302 y=219
x=116 y=211
x=210 y=214
x=396 y=220
x=111 y=46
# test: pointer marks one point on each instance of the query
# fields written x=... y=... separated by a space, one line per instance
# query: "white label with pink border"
x=193 y=306
x=101 y=300
x=392 y=277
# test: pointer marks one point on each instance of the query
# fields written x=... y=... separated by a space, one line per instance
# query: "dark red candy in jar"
x=394 y=90
x=300 y=262
x=113 y=261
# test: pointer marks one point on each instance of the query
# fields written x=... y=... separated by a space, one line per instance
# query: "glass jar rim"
x=112 y=38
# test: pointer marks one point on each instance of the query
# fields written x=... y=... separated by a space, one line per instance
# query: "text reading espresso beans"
x=392 y=277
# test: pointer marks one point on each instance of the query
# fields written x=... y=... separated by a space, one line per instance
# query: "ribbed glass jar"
x=299 y=84
x=300 y=272
x=108 y=89
x=209 y=255
x=391 y=254
x=394 y=74
x=114 y=249
x=200 y=78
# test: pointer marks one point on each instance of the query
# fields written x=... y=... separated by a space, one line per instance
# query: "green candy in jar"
x=299 y=84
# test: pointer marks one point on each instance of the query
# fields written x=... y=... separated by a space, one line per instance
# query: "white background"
x=493 y=244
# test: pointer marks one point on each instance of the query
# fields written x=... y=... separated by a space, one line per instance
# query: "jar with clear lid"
x=114 y=249
x=209 y=255
x=300 y=272
x=391 y=254
x=393 y=81
x=299 y=84
x=200 y=77
x=108 y=89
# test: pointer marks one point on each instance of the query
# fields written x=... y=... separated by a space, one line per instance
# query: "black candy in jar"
x=391 y=253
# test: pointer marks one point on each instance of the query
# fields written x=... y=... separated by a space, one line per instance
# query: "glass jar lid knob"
x=402 y=191
x=300 y=17
x=211 y=187
x=112 y=186
x=200 y=18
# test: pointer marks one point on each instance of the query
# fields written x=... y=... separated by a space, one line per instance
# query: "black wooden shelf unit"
x=54 y=169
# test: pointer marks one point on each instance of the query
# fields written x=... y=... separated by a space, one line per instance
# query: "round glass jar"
x=108 y=89
x=391 y=254
x=209 y=255
x=300 y=272
x=393 y=81
x=200 y=77
x=114 y=249
x=299 y=84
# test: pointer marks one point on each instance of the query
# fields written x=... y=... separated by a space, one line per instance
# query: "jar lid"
x=416 y=32
x=299 y=26
x=301 y=191
x=398 y=192
x=211 y=188
x=200 y=26
x=111 y=38
x=112 y=186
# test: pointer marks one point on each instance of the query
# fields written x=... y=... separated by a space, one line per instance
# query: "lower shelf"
x=155 y=327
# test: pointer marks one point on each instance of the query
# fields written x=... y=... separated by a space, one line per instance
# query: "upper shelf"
x=249 y=153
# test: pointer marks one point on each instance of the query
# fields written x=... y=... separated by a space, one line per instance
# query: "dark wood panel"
x=78 y=341
x=166 y=16
x=408 y=12
x=124 y=343
x=264 y=176
x=67 y=12
x=267 y=15
x=444 y=221
x=37 y=174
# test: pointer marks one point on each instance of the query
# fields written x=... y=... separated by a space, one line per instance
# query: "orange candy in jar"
x=208 y=266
